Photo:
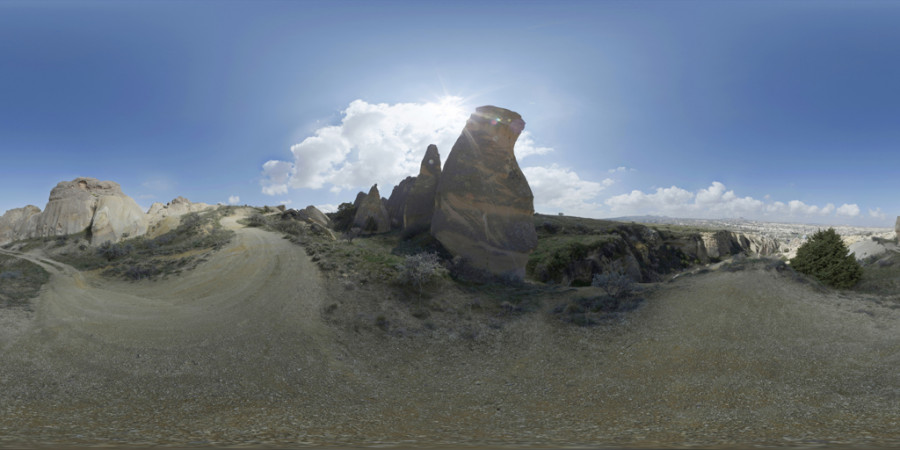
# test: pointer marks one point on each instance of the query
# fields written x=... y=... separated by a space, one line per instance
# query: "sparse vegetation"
x=825 y=257
x=615 y=283
x=141 y=257
x=420 y=271
x=20 y=280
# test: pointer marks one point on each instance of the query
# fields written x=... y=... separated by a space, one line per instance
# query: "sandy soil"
x=238 y=352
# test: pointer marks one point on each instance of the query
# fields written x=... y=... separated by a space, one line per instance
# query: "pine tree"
x=825 y=257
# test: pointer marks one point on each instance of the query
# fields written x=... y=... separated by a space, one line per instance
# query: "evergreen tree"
x=825 y=257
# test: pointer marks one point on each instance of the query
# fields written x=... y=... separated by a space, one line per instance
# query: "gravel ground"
x=237 y=353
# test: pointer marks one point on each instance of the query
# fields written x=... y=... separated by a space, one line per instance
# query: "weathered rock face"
x=163 y=218
x=897 y=228
x=420 y=202
x=484 y=207
x=396 y=203
x=310 y=215
x=18 y=223
x=721 y=244
x=74 y=205
x=372 y=206
x=359 y=198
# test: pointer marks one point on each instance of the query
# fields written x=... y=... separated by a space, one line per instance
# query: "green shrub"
x=342 y=220
x=825 y=257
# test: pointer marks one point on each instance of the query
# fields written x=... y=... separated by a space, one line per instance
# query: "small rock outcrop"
x=484 y=208
x=18 y=223
x=371 y=207
x=420 y=202
x=163 y=218
x=90 y=204
x=897 y=229
x=396 y=203
x=310 y=215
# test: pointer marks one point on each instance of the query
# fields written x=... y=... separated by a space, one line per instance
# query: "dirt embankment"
x=237 y=351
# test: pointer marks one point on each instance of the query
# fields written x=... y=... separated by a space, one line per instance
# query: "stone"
x=74 y=204
x=420 y=201
x=897 y=228
x=310 y=215
x=359 y=198
x=371 y=206
x=18 y=223
x=484 y=207
x=396 y=203
x=164 y=218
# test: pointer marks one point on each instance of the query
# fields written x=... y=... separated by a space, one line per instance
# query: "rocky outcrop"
x=396 y=203
x=484 y=207
x=420 y=202
x=74 y=206
x=162 y=218
x=359 y=198
x=721 y=244
x=310 y=215
x=18 y=223
x=371 y=207
x=642 y=253
x=897 y=228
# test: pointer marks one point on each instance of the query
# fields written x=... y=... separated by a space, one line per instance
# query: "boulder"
x=371 y=206
x=396 y=203
x=310 y=215
x=420 y=201
x=18 y=223
x=484 y=208
x=74 y=204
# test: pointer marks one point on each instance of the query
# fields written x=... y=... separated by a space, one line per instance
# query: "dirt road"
x=237 y=352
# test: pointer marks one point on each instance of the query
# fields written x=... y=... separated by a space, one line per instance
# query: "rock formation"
x=163 y=218
x=484 y=207
x=419 y=207
x=371 y=206
x=18 y=223
x=310 y=215
x=74 y=206
x=359 y=198
x=397 y=201
x=897 y=229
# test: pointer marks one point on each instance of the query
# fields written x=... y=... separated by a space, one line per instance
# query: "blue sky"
x=781 y=111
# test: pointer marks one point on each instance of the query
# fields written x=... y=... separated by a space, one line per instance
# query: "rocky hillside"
x=571 y=250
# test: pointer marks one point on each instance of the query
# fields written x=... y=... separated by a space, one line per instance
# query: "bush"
x=112 y=251
x=615 y=283
x=825 y=257
x=419 y=271
x=256 y=220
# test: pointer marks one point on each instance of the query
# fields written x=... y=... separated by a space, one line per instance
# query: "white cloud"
x=285 y=202
x=621 y=169
x=525 y=147
x=664 y=200
x=716 y=201
x=848 y=210
x=327 y=208
x=374 y=143
x=234 y=200
x=877 y=213
x=559 y=189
